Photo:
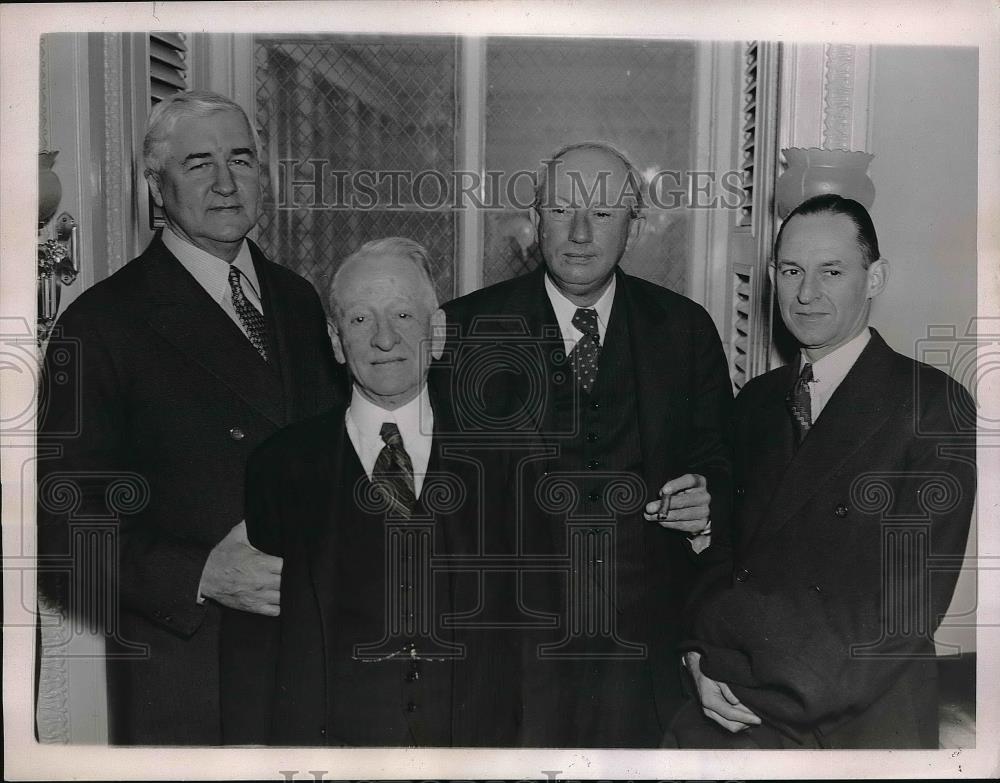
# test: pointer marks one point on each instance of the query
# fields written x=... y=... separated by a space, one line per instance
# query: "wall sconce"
x=58 y=256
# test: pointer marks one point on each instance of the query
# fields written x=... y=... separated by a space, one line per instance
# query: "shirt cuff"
x=700 y=543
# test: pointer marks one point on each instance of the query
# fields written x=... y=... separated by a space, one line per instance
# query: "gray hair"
x=168 y=112
x=634 y=177
x=391 y=247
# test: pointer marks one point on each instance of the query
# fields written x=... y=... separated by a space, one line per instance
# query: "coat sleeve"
x=716 y=562
x=87 y=478
x=710 y=452
x=802 y=657
x=249 y=643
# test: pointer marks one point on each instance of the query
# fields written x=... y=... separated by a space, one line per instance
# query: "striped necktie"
x=393 y=472
x=800 y=403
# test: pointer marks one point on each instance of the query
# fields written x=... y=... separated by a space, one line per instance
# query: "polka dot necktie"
x=250 y=317
x=588 y=348
x=800 y=403
x=393 y=472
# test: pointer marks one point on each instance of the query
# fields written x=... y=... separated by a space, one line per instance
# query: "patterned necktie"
x=800 y=403
x=250 y=317
x=588 y=348
x=393 y=472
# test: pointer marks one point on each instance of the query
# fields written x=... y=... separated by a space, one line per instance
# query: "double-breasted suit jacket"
x=844 y=555
x=658 y=409
x=152 y=403
x=371 y=647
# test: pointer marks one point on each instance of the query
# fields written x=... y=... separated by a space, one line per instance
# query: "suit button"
x=594 y=464
x=816 y=588
x=740 y=491
x=840 y=511
x=411 y=707
x=595 y=405
x=412 y=676
x=236 y=433
x=592 y=437
x=742 y=575
x=322 y=731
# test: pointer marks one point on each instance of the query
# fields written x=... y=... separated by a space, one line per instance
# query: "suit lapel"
x=336 y=463
x=767 y=446
x=861 y=404
x=284 y=348
x=657 y=365
x=528 y=308
x=186 y=316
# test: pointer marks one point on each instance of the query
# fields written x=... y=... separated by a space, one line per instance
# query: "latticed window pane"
x=638 y=95
x=329 y=107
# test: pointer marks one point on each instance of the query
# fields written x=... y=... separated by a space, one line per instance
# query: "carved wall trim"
x=53 y=718
x=114 y=174
x=43 y=95
x=838 y=95
x=846 y=96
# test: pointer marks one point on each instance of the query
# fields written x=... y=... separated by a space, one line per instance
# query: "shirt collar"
x=415 y=419
x=565 y=309
x=833 y=368
x=211 y=272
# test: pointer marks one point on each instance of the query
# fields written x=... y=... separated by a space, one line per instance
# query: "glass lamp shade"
x=814 y=172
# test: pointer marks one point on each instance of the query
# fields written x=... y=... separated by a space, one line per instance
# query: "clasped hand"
x=718 y=702
x=240 y=576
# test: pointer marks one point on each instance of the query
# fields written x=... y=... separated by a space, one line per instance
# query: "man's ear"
x=635 y=227
x=771 y=271
x=878 y=277
x=338 y=348
x=153 y=180
x=438 y=321
x=536 y=223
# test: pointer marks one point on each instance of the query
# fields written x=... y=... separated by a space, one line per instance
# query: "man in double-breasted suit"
x=178 y=365
x=623 y=386
x=855 y=474
x=373 y=508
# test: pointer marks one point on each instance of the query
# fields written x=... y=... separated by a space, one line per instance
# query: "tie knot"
x=234 y=276
x=806 y=375
x=585 y=319
x=390 y=435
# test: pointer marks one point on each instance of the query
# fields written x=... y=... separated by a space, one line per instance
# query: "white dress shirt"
x=364 y=420
x=830 y=371
x=212 y=273
x=565 y=310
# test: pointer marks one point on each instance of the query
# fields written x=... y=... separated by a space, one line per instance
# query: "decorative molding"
x=43 y=95
x=846 y=97
x=53 y=718
x=838 y=95
x=114 y=174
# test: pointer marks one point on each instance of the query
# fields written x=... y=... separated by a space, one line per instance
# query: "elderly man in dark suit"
x=854 y=471
x=187 y=358
x=623 y=384
x=372 y=506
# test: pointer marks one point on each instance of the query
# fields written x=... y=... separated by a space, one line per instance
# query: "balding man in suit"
x=624 y=388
